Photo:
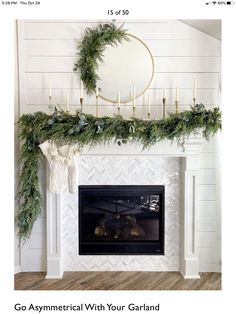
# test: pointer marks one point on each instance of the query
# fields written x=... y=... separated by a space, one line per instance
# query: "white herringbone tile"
x=125 y=170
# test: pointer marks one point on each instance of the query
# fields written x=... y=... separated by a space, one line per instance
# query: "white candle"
x=81 y=89
x=164 y=93
x=96 y=91
x=118 y=99
x=195 y=89
x=50 y=88
x=149 y=104
x=177 y=95
x=134 y=96
x=67 y=102
x=130 y=95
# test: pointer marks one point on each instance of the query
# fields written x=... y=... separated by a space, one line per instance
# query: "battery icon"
x=230 y=2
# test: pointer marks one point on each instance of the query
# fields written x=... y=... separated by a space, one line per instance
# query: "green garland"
x=85 y=129
x=91 y=50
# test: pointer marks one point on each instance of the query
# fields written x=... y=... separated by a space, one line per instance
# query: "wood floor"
x=117 y=281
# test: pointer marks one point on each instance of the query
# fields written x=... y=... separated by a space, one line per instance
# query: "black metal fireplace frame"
x=152 y=247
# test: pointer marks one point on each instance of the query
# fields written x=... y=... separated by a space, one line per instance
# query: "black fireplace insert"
x=121 y=219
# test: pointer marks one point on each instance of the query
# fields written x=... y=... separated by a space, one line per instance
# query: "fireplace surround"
x=189 y=154
x=121 y=220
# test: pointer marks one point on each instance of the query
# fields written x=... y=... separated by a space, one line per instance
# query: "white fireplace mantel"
x=190 y=152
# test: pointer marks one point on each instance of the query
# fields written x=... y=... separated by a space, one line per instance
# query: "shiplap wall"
x=181 y=55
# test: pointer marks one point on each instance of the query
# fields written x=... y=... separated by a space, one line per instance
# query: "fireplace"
x=121 y=220
x=174 y=166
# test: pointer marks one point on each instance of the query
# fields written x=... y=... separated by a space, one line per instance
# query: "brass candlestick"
x=194 y=102
x=81 y=103
x=118 y=108
x=134 y=111
x=176 y=106
x=96 y=106
x=149 y=115
x=50 y=104
x=164 y=108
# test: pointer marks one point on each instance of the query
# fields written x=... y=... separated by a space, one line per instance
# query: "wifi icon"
x=214 y=2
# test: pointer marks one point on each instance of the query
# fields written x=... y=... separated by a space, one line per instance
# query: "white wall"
x=181 y=54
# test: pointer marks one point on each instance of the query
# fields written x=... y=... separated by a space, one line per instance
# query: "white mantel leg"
x=54 y=235
x=189 y=255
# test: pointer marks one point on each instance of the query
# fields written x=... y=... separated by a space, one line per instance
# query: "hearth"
x=121 y=220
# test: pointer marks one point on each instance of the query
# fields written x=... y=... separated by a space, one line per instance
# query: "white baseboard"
x=192 y=277
x=54 y=277
x=17 y=269
x=210 y=268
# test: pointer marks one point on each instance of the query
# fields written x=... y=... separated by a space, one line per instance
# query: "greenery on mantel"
x=91 y=49
x=85 y=129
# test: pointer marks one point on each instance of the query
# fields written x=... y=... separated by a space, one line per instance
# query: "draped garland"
x=85 y=129
x=91 y=49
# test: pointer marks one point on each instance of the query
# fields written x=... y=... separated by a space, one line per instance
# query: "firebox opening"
x=116 y=220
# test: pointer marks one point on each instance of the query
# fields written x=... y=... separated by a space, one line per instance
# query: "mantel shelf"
x=191 y=146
